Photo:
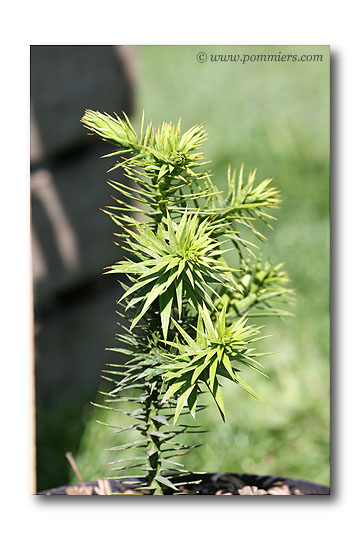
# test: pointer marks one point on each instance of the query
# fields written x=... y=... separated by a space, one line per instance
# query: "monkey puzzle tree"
x=187 y=307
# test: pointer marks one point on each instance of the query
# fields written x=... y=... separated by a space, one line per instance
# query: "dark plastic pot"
x=219 y=484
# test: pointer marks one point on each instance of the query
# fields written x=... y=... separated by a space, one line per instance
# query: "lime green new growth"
x=187 y=307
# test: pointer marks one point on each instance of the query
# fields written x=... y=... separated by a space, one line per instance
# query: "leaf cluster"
x=160 y=162
x=180 y=263
x=215 y=350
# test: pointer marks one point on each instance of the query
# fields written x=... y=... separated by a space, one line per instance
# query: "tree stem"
x=153 y=443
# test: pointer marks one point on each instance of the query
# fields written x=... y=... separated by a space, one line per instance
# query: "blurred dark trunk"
x=74 y=305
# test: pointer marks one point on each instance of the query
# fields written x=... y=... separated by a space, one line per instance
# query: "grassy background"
x=273 y=116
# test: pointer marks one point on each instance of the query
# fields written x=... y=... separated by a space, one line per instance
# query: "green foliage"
x=162 y=162
x=243 y=203
x=187 y=307
x=179 y=261
x=261 y=287
x=210 y=354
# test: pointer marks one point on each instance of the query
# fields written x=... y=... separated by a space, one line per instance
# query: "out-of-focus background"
x=269 y=115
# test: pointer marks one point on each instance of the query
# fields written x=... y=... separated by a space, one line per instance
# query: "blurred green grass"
x=273 y=116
